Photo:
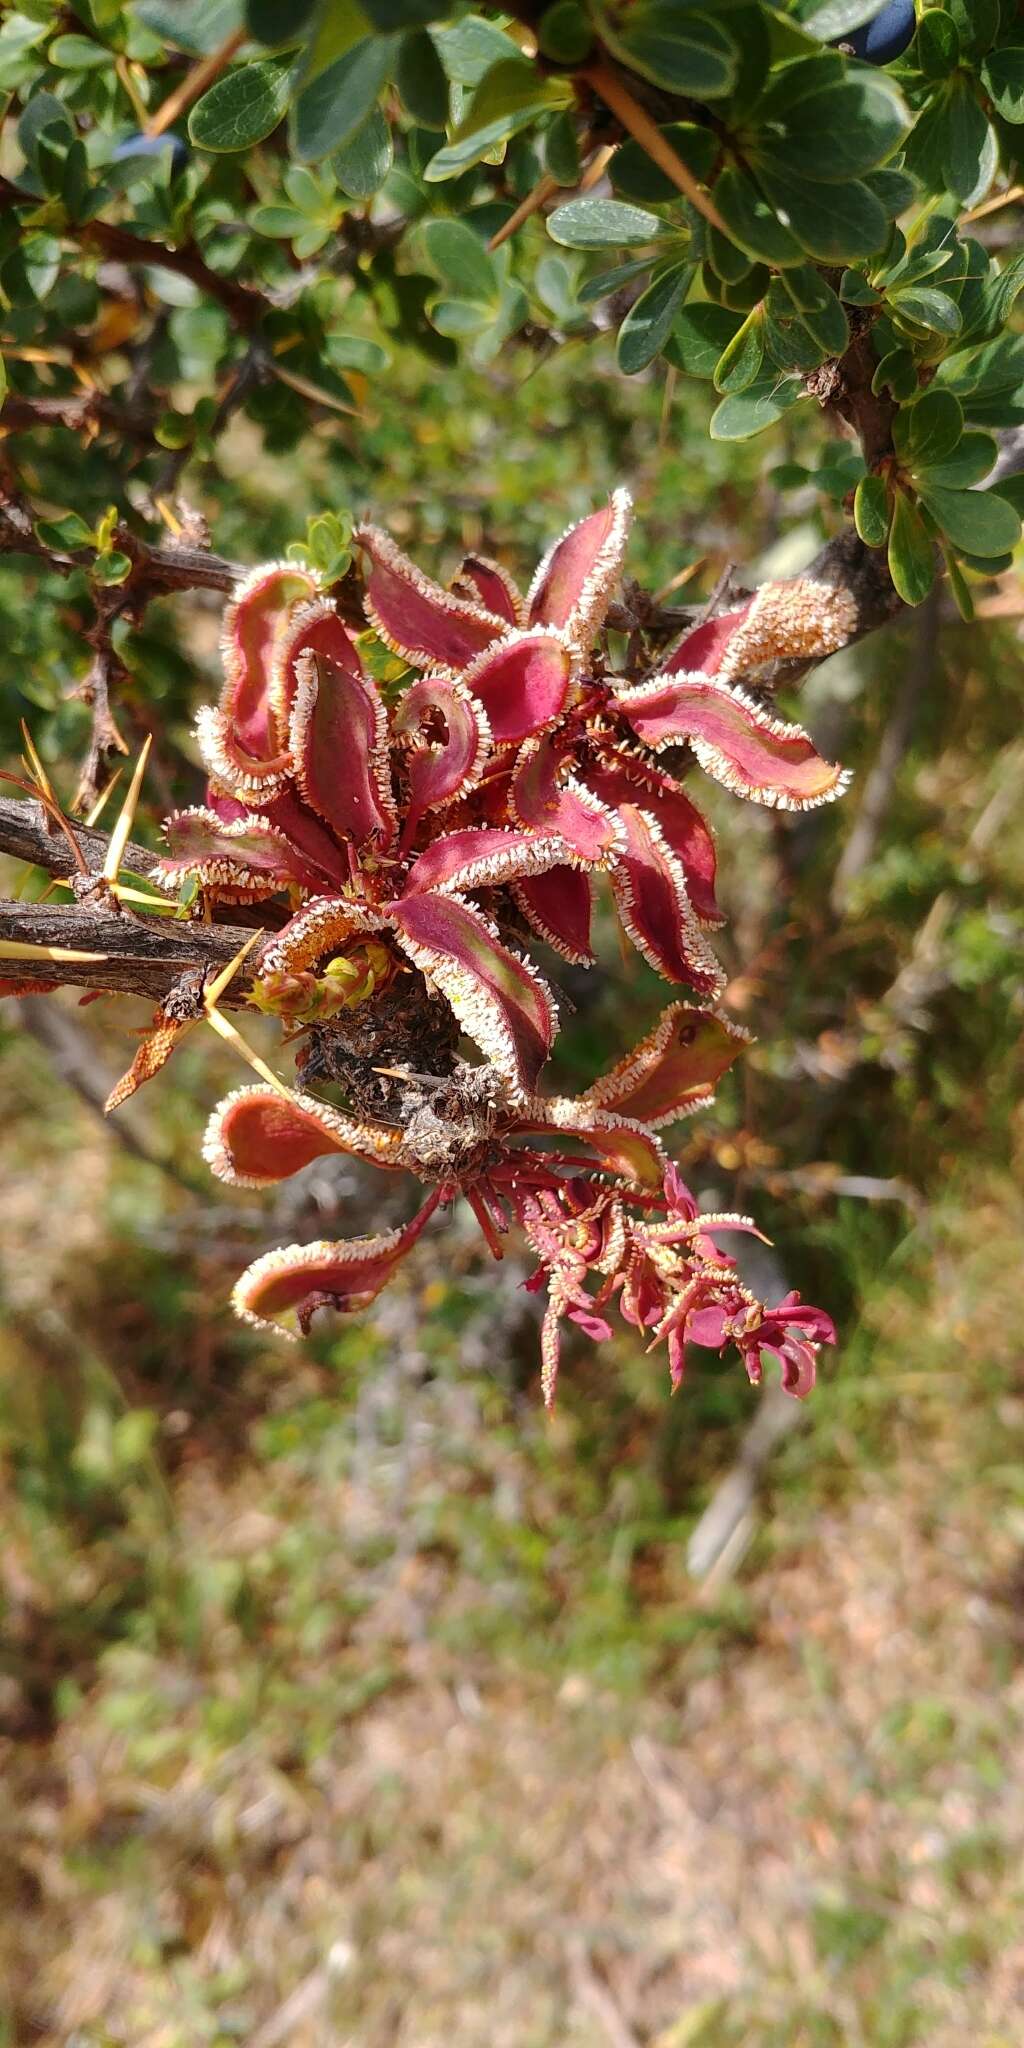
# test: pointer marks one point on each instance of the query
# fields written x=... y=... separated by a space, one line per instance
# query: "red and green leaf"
x=557 y=906
x=673 y=1070
x=348 y=1275
x=650 y=890
x=413 y=615
x=451 y=740
x=543 y=796
x=252 y=622
x=575 y=580
x=256 y=1137
x=245 y=857
x=482 y=857
x=500 y=1001
x=487 y=583
x=735 y=740
x=339 y=741
x=524 y=683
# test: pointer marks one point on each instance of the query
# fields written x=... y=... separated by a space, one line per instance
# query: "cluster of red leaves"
x=509 y=768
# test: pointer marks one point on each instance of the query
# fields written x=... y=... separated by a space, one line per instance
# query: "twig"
x=241 y=302
x=142 y=956
x=609 y=87
x=155 y=570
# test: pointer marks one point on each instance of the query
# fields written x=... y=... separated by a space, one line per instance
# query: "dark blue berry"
x=886 y=37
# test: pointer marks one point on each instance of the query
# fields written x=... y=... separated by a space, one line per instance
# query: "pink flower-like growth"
x=579 y=762
x=406 y=835
x=620 y=1230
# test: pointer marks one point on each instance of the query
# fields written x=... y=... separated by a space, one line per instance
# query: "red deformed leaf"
x=650 y=890
x=451 y=742
x=795 y=619
x=543 y=796
x=339 y=743
x=482 y=857
x=575 y=580
x=524 y=683
x=248 y=777
x=256 y=1137
x=621 y=1144
x=316 y=932
x=487 y=583
x=557 y=906
x=686 y=831
x=301 y=1278
x=413 y=615
x=252 y=622
x=702 y=650
x=323 y=854
x=734 y=739
x=500 y=1001
x=245 y=858
x=311 y=628
x=673 y=1070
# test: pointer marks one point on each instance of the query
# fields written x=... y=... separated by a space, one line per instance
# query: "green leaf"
x=649 y=322
x=752 y=222
x=742 y=360
x=978 y=521
x=934 y=424
x=363 y=164
x=461 y=261
x=328 y=112
x=562 y=150
x=470 y=47
x=111 y=567
x=896 y=373
x=952 y=146
x=278 y=21
x=700 y=334
x=977 y=23
x=66 y=533
x=968 y=462
x=1003 y=77
x=821 y=314
x=680 y=50
x=989 y=381
x=78 y=53
x=605 y=224
x=938 y=43
x=339 y=25
x=422 y=80
x=988 y=299
x=461 y=317
x=836 y=223
x=871 y=511
x=355 y=352
x=841 y=130
x=925 y=306
x=835 y=18
x=911 y=556
x=564 y=33
x=510 y=96
x=748 y=412
x=608 y=281
x=242 y=108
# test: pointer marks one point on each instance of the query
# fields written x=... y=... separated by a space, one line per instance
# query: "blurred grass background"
x=344 y=1698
